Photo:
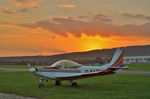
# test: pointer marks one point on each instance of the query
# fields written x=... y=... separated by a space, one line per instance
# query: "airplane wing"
x=97 y=73
x=84 y=75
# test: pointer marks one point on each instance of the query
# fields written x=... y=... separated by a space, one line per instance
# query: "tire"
x=41 y=85
x=74 y=84
x=58 y=83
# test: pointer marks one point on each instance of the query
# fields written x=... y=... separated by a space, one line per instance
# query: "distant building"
x=136 y=59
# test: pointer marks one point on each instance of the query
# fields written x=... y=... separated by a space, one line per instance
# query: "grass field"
x=116 y=86
x=15 y=66
x=142 y=67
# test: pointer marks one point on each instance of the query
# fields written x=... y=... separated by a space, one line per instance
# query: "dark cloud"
x=6 y=10
x=138 y=16
x=82 y=17
x=101 y=17
x=63 y=26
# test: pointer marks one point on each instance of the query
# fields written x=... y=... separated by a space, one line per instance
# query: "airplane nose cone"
x=32 y=69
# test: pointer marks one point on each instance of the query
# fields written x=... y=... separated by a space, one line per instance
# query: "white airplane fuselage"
x=69 y=70
x=65 y=73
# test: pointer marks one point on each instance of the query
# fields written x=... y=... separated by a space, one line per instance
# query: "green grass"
x=105 y=87
x=139 y=67
x=16 y=66
x=13 y=66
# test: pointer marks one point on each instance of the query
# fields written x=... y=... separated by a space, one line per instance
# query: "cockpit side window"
x=58 y=66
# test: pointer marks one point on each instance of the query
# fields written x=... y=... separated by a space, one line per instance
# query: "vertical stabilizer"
x=117 y=59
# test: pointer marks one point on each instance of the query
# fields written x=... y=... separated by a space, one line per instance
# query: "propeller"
x=31 y=69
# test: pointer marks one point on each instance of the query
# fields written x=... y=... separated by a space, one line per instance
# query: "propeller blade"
x=31 y=69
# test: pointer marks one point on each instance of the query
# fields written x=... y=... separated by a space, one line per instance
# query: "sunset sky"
x=47 y=27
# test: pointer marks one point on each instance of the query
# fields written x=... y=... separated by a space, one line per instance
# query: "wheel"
x=74 y=84
x=57 y=83
x=41 y=85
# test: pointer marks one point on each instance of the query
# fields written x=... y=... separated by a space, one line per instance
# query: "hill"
x=93 y=56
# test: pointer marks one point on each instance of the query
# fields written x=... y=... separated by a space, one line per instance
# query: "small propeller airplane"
x=69 y=70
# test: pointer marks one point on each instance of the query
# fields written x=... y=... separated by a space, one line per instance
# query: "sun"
x=91 y=45
x=91 y=42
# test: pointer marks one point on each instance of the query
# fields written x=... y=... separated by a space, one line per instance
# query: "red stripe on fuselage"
x=58 y=70
x=119 y=61
x=98 y=73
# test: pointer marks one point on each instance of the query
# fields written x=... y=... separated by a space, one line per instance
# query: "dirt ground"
x=13 y=96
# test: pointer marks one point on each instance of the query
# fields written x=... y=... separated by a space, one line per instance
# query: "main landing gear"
x=57 y=83
x=73 y=84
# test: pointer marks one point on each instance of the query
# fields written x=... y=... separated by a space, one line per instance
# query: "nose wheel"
x=40 y=83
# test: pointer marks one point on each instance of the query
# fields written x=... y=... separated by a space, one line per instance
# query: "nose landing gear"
x=40 y=83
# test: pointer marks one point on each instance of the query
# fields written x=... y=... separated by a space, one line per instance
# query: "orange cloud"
x=63 y=26
x=17 y=40
x=33 y=4
x=6 y=10
x=28 y=3
x=66 y=6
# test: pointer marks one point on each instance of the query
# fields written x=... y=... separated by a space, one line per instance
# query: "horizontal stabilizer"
x=126 y=67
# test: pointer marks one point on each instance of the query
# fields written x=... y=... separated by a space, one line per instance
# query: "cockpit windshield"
x=66 y=64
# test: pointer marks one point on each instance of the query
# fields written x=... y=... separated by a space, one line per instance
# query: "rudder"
x=117 y=60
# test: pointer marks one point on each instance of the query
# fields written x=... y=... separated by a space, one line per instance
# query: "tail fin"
x=117 y=60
